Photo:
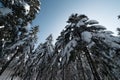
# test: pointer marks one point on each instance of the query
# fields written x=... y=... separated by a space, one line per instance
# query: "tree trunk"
x=80 y=68
x=4 y=67
x=91 y=63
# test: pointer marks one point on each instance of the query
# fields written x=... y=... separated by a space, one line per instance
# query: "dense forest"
x=84 y=50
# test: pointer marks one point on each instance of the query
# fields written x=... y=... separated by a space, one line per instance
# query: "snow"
x=92 y=22
x=108 y=32
x=80 y=23
x=16 y=44
x=112 y=44
x=73 y=24
x=68 y=48
x=86 y=36
x=91 y=44
x=3 y=39
x=13 y=2
x=38 y=8
x=109 y=40
x=5 y=11
x=84 y=19
x=108 y=37
x=49 y=38
x=8 y=58
x=2 y=27
x=3 y=43
x=26 y=7
x=98 y=27
x=116 y=39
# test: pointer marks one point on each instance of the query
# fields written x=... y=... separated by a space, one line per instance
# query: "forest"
x=84 y=50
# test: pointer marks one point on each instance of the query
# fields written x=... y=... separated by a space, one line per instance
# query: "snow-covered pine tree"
x=16 y=36
x=88 y=49
x=22 y=62
x=39 y=62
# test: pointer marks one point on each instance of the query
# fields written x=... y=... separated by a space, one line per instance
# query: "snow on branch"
x=86 y=36
x=26 y=7
x=98 y=27
x=16 y=44
x=92 y=22
x=2 y=27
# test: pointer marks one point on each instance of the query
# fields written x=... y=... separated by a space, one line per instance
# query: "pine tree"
x=39 y=61
x=85 y=38
x=16 y=37
x=83 y=51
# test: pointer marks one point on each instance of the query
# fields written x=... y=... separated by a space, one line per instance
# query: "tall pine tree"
x=88 y=45
x=16 y=37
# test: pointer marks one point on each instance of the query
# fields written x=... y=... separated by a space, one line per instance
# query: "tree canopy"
x=84 y=50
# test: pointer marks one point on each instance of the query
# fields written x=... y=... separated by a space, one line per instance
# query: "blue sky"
x=54 y=14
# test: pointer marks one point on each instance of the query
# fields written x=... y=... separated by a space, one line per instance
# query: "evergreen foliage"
x=84 y=50
x=17 y=37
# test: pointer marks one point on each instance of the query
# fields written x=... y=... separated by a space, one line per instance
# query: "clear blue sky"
x=54 y=14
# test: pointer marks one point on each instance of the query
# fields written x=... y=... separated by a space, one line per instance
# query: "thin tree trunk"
x=91 y=63
x=80 y=67
x=63 y=77
x=4 y=67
